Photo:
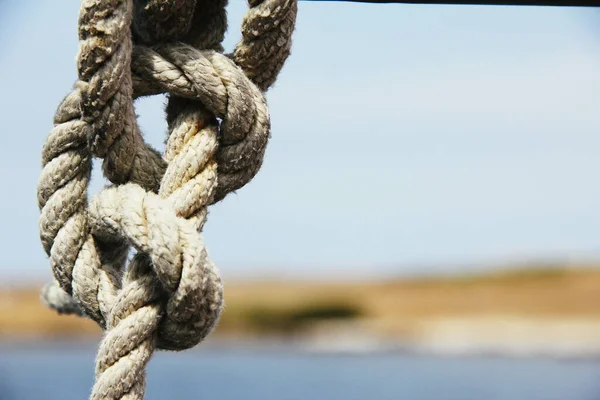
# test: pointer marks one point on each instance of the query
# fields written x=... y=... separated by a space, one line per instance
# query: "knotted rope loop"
x=177 y=254
x=225 y=91
x=170 y=296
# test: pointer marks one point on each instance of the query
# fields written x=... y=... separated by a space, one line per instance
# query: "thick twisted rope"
x=170 y=296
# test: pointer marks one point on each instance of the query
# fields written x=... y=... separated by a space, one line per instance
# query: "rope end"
x=57 y=299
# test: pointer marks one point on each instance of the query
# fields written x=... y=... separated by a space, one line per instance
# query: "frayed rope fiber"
x=169 y=295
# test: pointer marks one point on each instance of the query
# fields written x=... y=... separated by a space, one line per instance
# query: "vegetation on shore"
x=388 y=307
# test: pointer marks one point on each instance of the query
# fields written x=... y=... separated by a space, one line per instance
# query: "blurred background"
x=426 y=223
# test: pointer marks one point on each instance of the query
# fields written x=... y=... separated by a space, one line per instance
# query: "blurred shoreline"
x=521 y=312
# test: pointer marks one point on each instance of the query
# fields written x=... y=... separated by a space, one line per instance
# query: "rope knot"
x=170 y=294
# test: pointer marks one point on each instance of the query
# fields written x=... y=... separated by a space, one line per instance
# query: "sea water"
x=65 y=372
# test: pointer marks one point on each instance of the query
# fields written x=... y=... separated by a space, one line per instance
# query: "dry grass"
x=22 y=314
x=389 y=306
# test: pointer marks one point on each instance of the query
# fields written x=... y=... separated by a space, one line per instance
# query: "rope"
x=170 y=295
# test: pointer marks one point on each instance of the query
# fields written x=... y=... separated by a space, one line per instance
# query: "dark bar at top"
x=547 y=3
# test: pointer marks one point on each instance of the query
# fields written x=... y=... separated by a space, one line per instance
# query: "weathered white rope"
x=170 y=296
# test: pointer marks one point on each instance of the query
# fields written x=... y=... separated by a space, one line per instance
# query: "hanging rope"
x=170 y=295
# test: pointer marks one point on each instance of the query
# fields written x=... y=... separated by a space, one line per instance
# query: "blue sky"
x=405 y=138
